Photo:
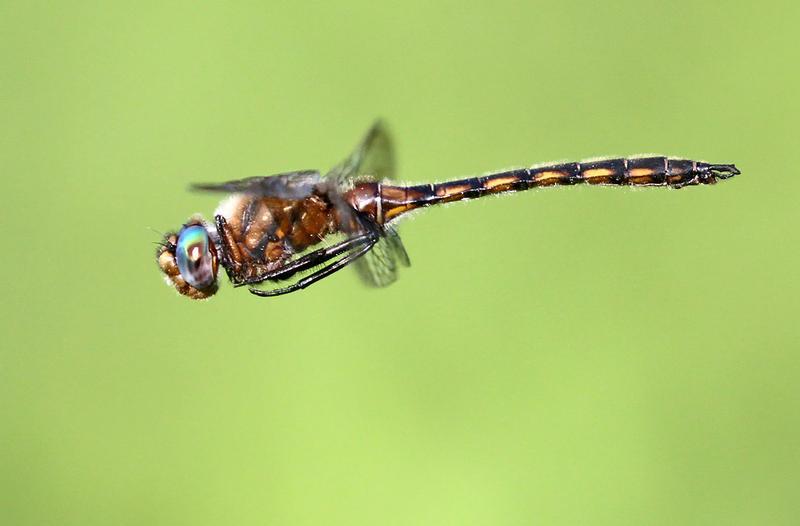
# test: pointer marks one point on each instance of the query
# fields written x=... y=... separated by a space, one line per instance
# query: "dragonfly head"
x=188 y=259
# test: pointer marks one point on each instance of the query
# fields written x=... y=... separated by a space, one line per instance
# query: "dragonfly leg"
x=324 y=272
x=230 y=256
x=312 y=259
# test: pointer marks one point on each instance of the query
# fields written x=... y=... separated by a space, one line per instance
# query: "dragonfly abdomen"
x=644 y=171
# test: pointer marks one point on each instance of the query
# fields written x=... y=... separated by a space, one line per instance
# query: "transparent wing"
x=373 y=160
x=289 y=185
x=378 y=267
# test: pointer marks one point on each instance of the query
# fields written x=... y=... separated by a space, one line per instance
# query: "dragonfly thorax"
x=261 y=233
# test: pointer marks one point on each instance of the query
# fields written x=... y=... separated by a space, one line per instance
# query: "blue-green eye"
x=196 y=257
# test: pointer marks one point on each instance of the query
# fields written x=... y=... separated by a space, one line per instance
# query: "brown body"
x=260 y=234
x=278 y=228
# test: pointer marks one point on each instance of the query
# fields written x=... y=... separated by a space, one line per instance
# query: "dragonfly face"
x=189 y=260
x=302 y=226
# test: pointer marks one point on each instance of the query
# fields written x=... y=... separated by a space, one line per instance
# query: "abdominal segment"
x=389 y=201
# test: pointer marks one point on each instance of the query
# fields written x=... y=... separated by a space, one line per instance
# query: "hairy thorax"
x=263 y=233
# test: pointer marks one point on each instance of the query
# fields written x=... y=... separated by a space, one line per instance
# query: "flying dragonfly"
x=301 y=227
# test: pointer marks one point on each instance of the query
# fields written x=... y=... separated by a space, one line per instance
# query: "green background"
x=563 y=356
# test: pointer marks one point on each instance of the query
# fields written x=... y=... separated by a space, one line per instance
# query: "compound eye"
x=196 y=258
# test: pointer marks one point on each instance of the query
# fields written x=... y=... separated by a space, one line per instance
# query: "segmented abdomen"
x=646 y=171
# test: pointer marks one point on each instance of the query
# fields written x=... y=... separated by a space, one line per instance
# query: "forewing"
x=289 y=185
x=373 y=160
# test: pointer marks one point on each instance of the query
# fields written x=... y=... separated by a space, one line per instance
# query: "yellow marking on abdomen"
x=641 y=172
x=492 y=184
x=396 y=211
x=548 y=177
x=593 y=173
x=451 y=190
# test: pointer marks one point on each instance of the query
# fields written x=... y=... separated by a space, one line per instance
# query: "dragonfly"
x=282 y=233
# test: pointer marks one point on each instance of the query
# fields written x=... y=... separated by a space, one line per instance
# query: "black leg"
x=321 y=273
x=312 y=259
x=219 y=223
x=224 y=248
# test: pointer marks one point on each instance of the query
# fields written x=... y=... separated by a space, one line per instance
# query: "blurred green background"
x=563 y=356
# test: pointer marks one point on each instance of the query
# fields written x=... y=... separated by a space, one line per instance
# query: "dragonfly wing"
x=378 y=267
x=289 y=185
x=373 y=160
x=393 y=239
